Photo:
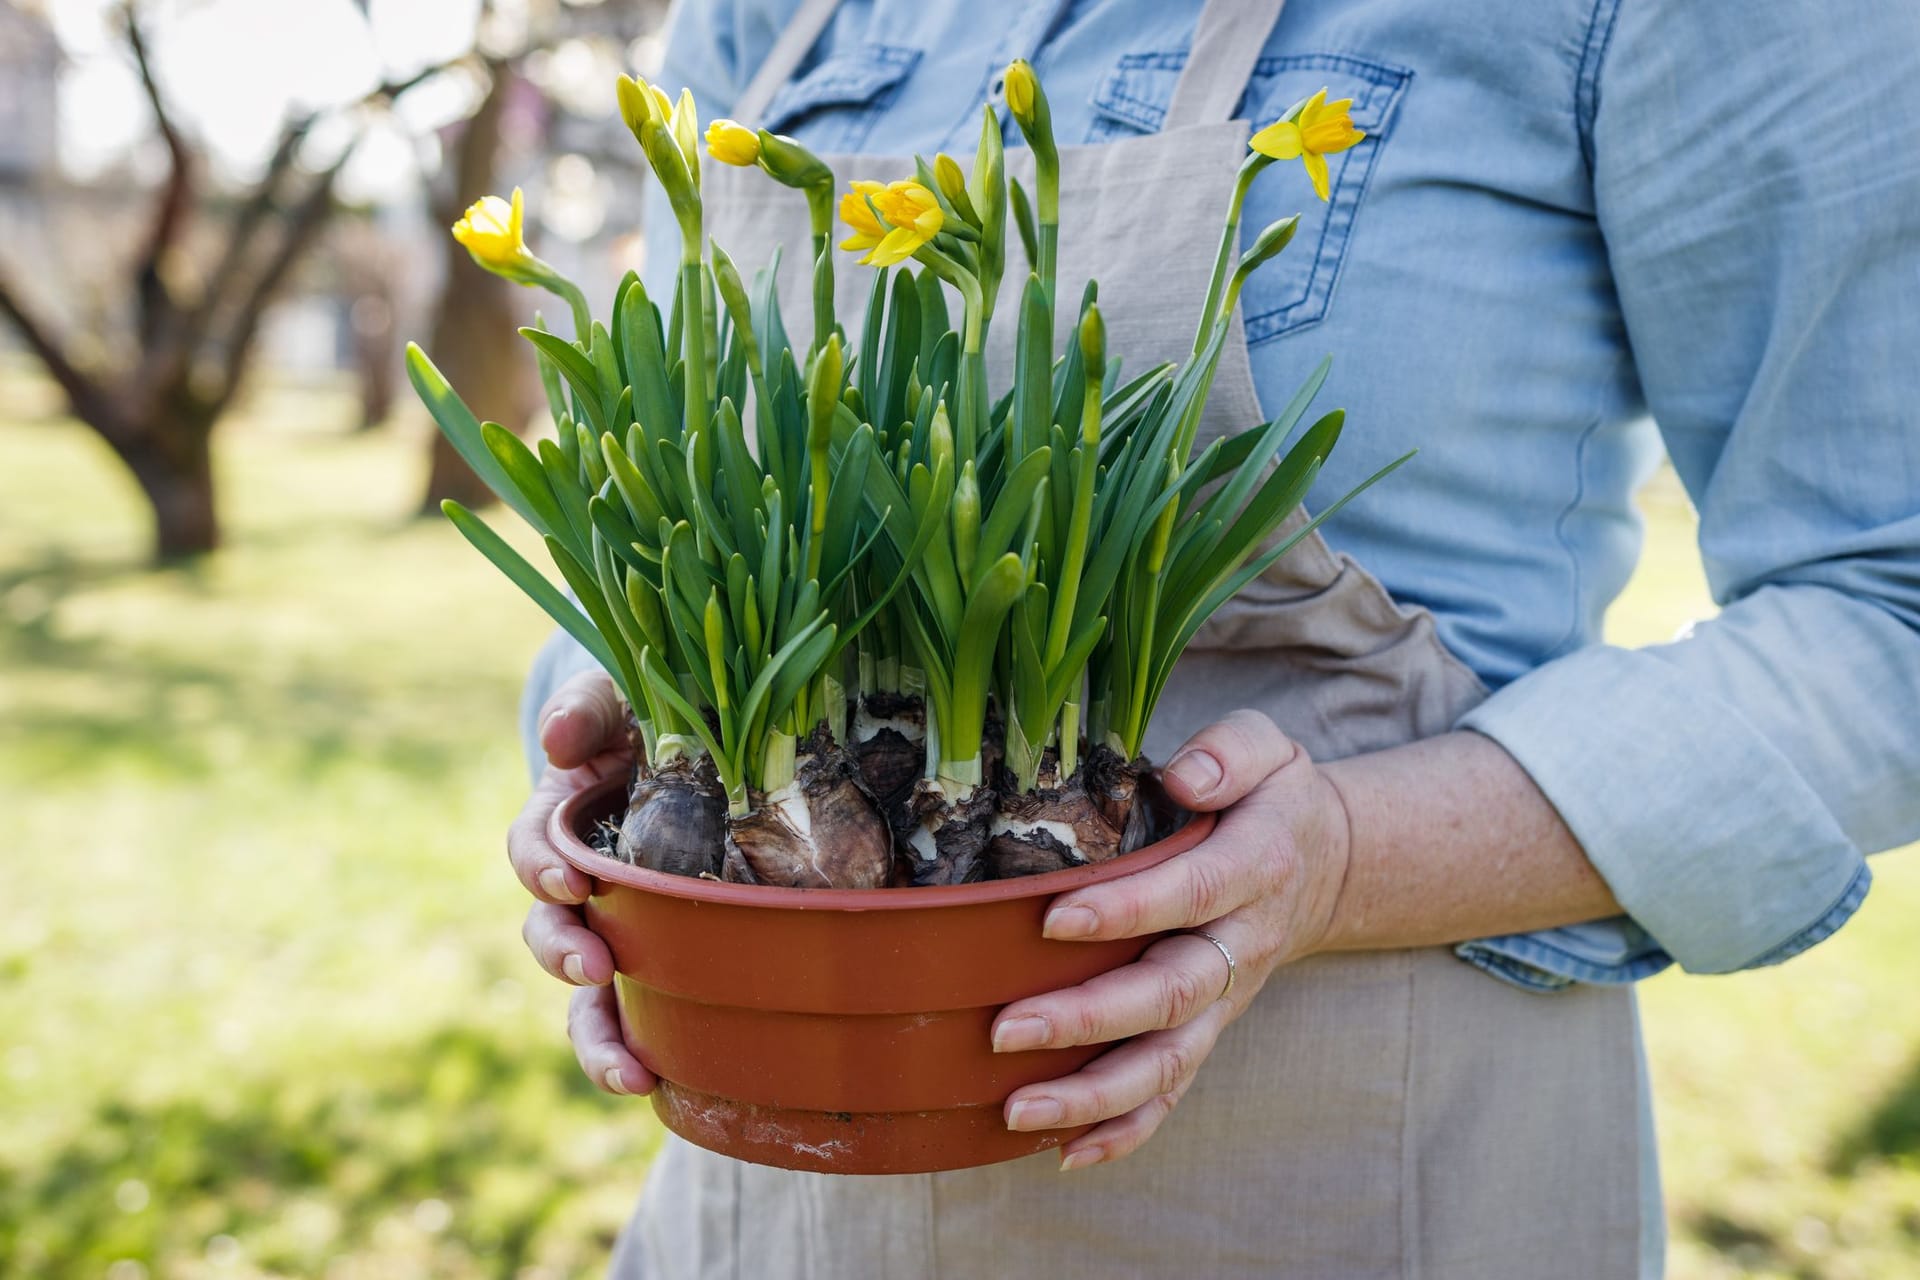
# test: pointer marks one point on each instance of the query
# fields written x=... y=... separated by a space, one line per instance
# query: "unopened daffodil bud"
x=790 y=164
x=1022 y=89
x=733 y=143
x=1093 y=345
x=1321 y=129
x=684 y=120
x=641 y=102
x=953 y=185
x=1027 y=101
x=965 y=513
x=1265 y=247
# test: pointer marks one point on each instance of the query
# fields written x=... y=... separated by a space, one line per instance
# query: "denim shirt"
x=1577 y=230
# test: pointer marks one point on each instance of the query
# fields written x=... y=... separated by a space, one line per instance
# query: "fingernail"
x=575 y=968
x=552 y=720
x=1070 y=922
x=1198 y=772
x=614 y=1082
x=1034 y=1113
x=554 y=881
x=1079 y=1159
x=1028 y=1031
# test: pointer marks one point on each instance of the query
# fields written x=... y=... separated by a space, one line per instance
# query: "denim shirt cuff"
x=1709 y=839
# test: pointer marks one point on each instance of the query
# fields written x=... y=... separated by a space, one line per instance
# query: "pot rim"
x=585 y=858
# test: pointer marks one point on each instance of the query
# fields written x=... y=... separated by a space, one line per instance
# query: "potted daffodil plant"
x=891 y=636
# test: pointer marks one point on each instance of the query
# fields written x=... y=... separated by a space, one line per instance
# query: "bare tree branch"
x=88 y=400
x=302 y=224
x=156 y=302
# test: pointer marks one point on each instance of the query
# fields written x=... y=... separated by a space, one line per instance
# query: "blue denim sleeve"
x=1759 y=190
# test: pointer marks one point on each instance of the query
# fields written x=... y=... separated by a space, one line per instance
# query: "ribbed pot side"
x=839 y=1031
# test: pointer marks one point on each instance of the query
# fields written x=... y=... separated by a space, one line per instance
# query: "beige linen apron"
x=1382 y=1115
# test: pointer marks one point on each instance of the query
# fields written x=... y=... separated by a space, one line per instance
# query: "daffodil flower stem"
x=693 y=341
x=1079 y=527
x=970 y=408
x=561 y=287
x=1155 y=566
x=1048 y=266
x=1229 y=242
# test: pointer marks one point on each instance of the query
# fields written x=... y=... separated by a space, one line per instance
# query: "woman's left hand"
x=1265 y=883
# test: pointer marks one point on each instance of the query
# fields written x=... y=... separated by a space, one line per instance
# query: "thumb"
x=582 y=719
x=1227 y=759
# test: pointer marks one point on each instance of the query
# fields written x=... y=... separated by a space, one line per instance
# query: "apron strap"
x=1227 y=41
x=808 y=21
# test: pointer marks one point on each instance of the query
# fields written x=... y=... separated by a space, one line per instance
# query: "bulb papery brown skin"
x=952 y=827
x=890 y=746
x=1057 y=824
x=1114 y=784
x=676 y=818
x=823 y=830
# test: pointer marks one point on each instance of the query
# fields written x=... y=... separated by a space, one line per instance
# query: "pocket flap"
x=850 y=78
x=1140 y=86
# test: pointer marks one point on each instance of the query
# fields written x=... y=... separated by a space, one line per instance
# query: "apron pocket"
x=1295 y=289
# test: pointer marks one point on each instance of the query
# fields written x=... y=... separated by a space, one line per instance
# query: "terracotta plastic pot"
x=839 y=1030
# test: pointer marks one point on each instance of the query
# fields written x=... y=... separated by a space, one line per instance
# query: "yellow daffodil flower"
x=859 y=216
x=915 y=214
x=1323 y=129
x=733 y=143
x=492 y=233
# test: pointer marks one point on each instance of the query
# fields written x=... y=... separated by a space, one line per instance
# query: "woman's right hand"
x=583 y=732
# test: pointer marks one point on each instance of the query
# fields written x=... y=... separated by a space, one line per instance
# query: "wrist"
x=1327 y=866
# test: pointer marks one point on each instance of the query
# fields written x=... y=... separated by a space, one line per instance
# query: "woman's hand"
x=1265 y=882
x=583 y=732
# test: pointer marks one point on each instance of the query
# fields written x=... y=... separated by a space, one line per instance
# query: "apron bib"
x=1390 y=1114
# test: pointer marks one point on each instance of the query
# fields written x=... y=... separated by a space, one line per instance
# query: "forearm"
x=1449 y=839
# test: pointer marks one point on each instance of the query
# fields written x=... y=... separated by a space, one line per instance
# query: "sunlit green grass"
x=263 y=1006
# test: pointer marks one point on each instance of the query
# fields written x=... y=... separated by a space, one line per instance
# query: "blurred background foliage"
x=263 y=1005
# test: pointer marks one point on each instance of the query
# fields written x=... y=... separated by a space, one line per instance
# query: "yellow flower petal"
x=1317 y=170
x=1330 y=137
x=858 y=214
x=908 y=204
x=1281 y=140
x=898 y=245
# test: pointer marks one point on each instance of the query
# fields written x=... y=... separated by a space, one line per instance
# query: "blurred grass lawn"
x=265 y=1008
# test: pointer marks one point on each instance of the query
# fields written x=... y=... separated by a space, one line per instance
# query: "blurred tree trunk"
x=157 y=403
x=376 y=365
x=474 y=342
x=173 y=464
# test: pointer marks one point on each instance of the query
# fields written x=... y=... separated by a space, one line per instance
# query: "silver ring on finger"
x=1226 y=953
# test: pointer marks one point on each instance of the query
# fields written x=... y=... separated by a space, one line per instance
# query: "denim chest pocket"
x=833 y=107
x=1296 y=289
